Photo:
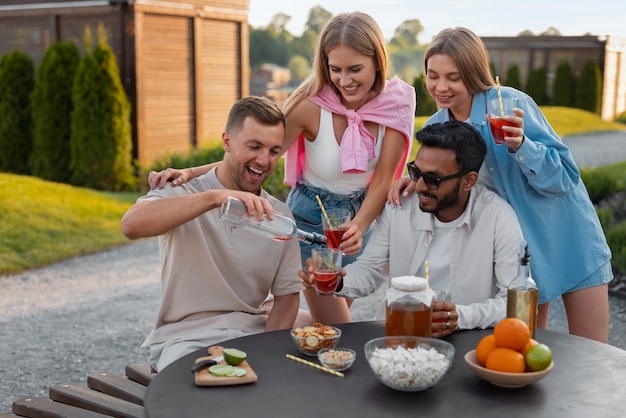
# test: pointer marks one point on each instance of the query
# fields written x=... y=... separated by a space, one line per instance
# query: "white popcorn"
x=409 y=368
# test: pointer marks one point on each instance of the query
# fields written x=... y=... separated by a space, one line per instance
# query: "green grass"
x=43 y=222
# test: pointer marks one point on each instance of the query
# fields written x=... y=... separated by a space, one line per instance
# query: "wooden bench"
x=106 y=395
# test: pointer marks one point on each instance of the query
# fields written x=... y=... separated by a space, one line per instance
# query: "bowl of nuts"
x=339 y=359
x=409 y=364
x=311 y=339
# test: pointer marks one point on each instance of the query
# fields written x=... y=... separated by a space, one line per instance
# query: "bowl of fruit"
x=509 y=357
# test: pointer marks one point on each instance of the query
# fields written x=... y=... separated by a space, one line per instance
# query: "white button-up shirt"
x=483 y=253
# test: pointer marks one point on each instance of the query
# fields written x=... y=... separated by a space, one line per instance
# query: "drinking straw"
x=499 y=96
x=426 y=270
x=319 y=201
x=317 y=366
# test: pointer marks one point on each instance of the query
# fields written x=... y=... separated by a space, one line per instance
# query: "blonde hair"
x=468 y=52
x=355 y=30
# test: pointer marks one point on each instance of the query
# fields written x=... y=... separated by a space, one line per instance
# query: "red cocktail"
x=325 y=281
x=496 y=124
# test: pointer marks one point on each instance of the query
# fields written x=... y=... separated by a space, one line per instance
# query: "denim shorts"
x=601 y=276
x=308 y=215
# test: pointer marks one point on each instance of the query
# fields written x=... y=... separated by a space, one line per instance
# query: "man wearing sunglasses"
x=470 y=236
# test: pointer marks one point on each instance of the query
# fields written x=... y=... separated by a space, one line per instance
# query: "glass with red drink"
x=335 y=224
x=496 y=117
x=326 y=264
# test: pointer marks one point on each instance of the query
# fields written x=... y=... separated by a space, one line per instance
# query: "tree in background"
x=17 y=79
x=425 y=104
x=299 y=68
x=564 y=85
x=406 y=54
x=317 y=19
x=513 y=78
x=537 y=86
x=51 y=108
x=101 y=132
x=589 y=91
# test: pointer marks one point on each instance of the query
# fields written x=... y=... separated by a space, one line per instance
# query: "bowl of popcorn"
x=311 y=339
x=339 y=359
x=409 y=364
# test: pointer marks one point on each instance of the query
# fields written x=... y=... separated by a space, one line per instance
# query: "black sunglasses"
x=431 y=181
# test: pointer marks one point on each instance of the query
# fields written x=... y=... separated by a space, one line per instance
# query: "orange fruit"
x=484 y=347
x=530 y=344
x=504 y=359
x=512 y=333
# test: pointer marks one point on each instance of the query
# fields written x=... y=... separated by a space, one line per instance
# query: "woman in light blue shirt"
x=536 y=174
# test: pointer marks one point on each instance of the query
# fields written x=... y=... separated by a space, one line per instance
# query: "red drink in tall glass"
x=333 y=237
x=496 y=124
x=325 y=281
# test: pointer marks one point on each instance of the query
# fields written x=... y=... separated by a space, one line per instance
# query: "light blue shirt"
x=543 y=184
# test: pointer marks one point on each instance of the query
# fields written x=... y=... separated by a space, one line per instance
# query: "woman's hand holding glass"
x=515 y=134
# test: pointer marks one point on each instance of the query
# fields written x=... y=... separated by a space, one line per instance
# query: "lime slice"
x=220 y=369
x=236 y=372
x=233 y=356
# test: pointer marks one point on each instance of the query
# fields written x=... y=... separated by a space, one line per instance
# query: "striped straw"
x=319 y=202
x=499 y=96
x=317 y=366
x=426 y=271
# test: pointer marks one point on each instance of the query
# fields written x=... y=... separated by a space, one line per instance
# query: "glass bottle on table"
x=281 y=228
x=409 y=307
x=523 y=294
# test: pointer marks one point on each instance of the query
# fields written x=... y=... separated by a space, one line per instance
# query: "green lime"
x=538 y=357
x=233 y=356
x=221 y=369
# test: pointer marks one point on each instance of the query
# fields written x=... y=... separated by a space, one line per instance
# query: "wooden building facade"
x=182 y=62
x=530 y=52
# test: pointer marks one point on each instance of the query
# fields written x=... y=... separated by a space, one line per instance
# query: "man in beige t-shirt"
x=216 y=275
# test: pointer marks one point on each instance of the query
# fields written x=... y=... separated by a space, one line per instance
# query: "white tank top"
x=323 y=164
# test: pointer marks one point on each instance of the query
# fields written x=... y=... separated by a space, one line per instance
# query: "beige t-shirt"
x=215 y=274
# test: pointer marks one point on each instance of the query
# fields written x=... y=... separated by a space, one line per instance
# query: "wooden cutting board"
x=204 y=378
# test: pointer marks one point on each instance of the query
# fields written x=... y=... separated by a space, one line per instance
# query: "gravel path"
x=90 y=314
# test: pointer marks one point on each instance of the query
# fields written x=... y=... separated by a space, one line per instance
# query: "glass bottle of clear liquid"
x=523 y=294
x=281 y=228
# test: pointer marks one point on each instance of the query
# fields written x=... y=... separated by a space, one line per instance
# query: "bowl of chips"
x=311 y=339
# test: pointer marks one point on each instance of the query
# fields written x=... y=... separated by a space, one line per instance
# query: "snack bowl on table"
x=337 y=358
x=311 y=339
x=503 y=379
x=409 y=364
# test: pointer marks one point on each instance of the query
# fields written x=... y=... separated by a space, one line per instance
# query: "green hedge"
x=199 y=156
x=17 y=80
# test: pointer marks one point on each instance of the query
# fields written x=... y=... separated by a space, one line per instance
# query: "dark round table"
x=588 y=378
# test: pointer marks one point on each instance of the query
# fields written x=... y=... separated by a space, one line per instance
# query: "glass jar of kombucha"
x=409 y=307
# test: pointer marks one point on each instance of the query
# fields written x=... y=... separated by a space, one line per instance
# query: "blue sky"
x=571 y=18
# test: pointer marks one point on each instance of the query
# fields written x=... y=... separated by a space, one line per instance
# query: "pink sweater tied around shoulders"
x=394 y=108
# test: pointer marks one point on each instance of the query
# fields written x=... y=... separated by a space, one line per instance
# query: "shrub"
x=101 y=140
x=17 y=79
x=513 y=77
x=599 y=182
x=589 y=89
x=607 y=220
x=616 y=238
x=564 y=84
x=537 y=86
x=51 y=108
x=425 y=104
